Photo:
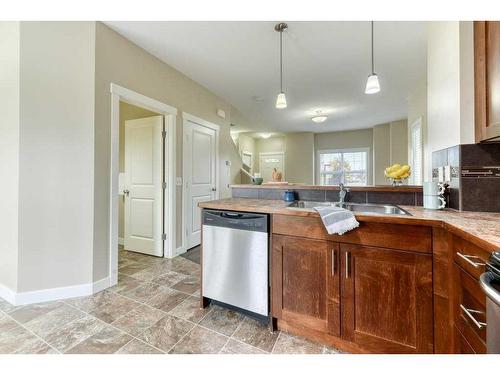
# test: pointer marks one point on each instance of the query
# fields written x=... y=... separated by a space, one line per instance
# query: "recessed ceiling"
x=326 y=65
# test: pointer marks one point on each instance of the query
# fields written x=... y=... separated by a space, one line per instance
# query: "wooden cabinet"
x=305 y=283
x=386 y=299
x=487 y=80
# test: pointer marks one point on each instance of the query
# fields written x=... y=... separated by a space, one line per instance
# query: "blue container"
x=289 y=196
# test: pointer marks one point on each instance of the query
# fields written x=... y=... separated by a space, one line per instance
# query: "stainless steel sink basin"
x=384 y=209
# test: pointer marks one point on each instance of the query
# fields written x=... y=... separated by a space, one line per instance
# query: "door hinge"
x=163 y=236
x=163 y=133
x=164 y=185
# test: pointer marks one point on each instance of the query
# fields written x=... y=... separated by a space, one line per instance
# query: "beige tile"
x=91 y=302
x=222 y=320
x=149 y=273
x=289 y=344
x=49 y=322
x=20 y=341
x=167 y=300
x=24 y=314
x=200 y=341
x=143 y=292
x=5 y=306
x=169 y=278
x=108 y=340
x=138 y=347
x=190 y=309
x=115 y=309
x=132 y=269
x=6 y=324
x=69 y=335
x=166 y=332
x=236 y=347
x=138 y=320
x=125 y=283
x=186 y=267
x=123 y=261
x=188 y=285
x=256 y=334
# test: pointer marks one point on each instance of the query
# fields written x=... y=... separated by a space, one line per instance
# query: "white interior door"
x=269 y=161
x=200 y=158
x=143 y=219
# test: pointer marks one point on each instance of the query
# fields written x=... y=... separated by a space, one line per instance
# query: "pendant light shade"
x=281 y=101
x=281 y=98
x=372 y=84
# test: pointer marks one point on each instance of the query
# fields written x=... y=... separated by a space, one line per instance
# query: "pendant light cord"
x=281 y=61
x=373 y=70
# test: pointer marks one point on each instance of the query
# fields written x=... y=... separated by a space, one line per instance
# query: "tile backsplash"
x=475 y=176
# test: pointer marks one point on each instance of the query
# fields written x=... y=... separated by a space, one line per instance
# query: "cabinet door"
x=305 y=283
x=386 y=299
x=487 y=79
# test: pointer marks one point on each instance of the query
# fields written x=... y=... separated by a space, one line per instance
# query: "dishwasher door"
x=235 y=260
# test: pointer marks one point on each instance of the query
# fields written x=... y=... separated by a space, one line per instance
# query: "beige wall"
x=347 y=139
x=299 y=157
x=121 y=62
x=450 y=80
x=381 y=152
x=127 y=112
x=9 y=152
x=56 y=163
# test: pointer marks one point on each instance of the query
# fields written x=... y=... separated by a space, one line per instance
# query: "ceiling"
x=325 y=68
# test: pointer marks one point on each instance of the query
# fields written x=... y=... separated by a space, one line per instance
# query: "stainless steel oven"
x=490 y=282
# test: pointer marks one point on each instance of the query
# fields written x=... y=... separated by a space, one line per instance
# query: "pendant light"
x=281 y=99
x=372 y=85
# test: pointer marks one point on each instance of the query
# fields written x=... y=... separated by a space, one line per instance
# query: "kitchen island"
x=396 y=284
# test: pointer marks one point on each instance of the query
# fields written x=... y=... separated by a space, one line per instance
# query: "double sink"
x=383 y=209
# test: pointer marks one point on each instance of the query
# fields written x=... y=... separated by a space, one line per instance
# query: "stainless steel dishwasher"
x=236 y=260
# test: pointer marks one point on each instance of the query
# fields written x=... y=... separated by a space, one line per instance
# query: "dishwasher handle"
x=236 y=220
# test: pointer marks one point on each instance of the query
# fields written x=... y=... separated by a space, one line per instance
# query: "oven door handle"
x=485 y=281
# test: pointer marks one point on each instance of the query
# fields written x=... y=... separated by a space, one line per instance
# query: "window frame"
x=366 y=150
x=416 y=124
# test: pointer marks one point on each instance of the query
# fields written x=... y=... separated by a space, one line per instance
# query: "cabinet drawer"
x=470 y=309
x=393 y=236
x=469 y=256
x=461 y=344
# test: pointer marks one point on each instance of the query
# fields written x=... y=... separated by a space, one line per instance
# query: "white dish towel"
x=337 y=220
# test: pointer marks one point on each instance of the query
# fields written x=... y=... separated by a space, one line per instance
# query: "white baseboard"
x=180 y=250
x=120 y=241
x=7 y=294
x=46 y=295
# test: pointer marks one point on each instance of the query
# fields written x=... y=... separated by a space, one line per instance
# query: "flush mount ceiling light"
x=372 y=85
x=319 y=117
x=281 y=99
x=265 y=135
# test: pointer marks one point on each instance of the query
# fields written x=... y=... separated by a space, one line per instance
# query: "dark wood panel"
x=461 y=344
x=387 y=299
x=468 y=293
x=394 y=236
x=443 y=291
x=304 y=288
x=470 y=257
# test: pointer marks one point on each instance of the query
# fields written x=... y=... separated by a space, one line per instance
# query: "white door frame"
x=186 y=159
x=119 y=93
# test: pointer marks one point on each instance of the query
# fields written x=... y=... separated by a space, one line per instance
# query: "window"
x=416 y=152
x=348 y=166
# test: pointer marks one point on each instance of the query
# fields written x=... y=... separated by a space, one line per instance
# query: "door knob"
x=126 y=192
x=214 y=189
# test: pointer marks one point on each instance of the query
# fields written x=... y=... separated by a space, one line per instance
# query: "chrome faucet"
x=342 y=193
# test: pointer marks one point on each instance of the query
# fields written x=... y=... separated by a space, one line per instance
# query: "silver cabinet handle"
x=467 y=258
x=469 y=312
x=334 y=256
x=347 y=264
x=126 y=192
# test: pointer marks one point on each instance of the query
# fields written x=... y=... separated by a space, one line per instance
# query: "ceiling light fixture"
x=281 y=99
x=319 y=117
x=372 y=85
x=265 y=135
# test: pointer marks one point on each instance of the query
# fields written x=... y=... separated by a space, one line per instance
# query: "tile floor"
x=152 y=310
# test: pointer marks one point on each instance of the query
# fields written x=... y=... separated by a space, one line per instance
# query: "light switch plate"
x=178 y=181
x=441 y=174
x=447 y=173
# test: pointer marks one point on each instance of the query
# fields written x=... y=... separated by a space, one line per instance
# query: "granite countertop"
x=482 y=228
x=295 y=186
